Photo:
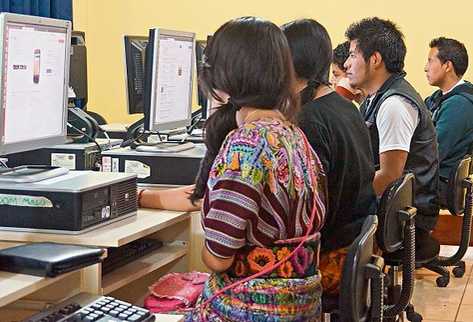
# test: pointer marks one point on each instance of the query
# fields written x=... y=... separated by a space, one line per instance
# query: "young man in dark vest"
x=401 y=129
x=451 y=105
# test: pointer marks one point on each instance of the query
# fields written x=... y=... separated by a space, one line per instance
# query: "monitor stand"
x=166 y=147
x=30 y=173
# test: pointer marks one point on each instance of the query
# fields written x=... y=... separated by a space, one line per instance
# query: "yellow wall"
x=106 y=21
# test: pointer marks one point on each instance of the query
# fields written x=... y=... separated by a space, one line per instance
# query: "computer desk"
x=129 y=282
x=17 y=286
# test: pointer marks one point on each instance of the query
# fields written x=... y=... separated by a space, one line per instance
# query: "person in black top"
x=338 y=134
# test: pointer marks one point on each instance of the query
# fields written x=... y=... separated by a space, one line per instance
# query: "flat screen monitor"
x=135 y=53
x=34 y=60
x=78 y=70
x=168 y=79
x=201 y=98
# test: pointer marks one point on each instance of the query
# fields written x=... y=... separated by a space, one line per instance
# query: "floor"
x=453 y=303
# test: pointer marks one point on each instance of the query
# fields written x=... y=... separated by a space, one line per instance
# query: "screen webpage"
x=33 y=83
x=174 y=79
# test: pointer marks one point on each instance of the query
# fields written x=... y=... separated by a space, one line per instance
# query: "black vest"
x=422 y=159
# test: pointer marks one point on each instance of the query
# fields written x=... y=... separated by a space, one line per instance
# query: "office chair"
x=361 y=289
x=396 y=235
x=459 y=199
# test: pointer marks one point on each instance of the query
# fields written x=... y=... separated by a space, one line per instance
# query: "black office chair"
x=396 y=235
x=459 y=198
x=361 y=291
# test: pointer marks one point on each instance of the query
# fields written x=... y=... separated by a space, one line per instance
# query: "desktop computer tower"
x=71 y=203
x=73 y=156
x=179 y=168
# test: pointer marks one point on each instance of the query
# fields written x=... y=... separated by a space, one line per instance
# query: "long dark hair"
x=249 y=59
x=311 y=50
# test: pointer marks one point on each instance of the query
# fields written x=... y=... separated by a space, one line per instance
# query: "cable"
x=195 y=120
x=107 y=137
x=86 y=135
x=109 y=142
x=3 y=163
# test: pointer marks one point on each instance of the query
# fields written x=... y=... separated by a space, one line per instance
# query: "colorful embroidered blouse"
x=260 y=189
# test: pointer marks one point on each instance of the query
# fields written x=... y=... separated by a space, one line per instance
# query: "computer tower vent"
x=123 y=198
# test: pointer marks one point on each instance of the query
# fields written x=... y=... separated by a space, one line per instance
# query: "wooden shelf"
x=142 y=266
x=169 y=318
x=146 y=222
x=15 y=286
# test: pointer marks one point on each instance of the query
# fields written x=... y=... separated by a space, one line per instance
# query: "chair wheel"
x=458 y=272
x=442 y=281
x=414 y=317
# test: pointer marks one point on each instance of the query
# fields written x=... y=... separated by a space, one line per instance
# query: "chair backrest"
x=354 y=300
x=399 y=195
x=456 y=190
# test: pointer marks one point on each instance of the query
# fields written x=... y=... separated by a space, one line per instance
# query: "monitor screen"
x=135 y=53
x=34 y=61
x=169 y=75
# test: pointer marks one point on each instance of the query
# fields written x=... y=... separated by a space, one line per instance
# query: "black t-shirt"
x=339 y=136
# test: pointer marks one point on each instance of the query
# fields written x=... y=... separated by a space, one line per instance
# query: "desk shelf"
x=15 y=286
x=129 y=282
x=146 y=222
x=142 y=266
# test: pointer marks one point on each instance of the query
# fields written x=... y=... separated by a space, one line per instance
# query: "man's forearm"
x=382 y=179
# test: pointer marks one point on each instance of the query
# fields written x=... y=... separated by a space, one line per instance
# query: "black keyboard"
x=120 y=256
x=103 y=309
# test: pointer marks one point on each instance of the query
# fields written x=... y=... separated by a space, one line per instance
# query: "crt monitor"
x=135 y=53
x=34 y=60
x=168 y=79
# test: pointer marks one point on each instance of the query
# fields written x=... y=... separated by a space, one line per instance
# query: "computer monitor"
x=78 y=70
x=168 y=79
x=201 y=98
x=135 y=53
x=34 y=60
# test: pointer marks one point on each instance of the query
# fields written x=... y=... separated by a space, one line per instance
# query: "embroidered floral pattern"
x=252 y=260
x=260 y=258
x=282 y=253
x=260 y=153
x=285 y=270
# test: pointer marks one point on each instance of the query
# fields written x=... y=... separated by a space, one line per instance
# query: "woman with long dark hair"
x=261 y=206
x=338 y=134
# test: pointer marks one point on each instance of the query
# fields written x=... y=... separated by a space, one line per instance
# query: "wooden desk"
x=24 y=295
x=116 y=234
x=16 y=286
x=448 y=229
x=172 y=228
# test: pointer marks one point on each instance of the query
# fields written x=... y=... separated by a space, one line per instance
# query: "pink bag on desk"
x=175 y=292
